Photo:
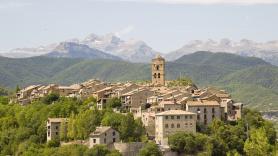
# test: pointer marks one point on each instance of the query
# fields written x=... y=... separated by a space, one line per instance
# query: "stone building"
x=170 y=105
x=136 y=98
x=104 y=135
x=206 y=110
x=158 y=71
x=53 y=127
x=171 y=122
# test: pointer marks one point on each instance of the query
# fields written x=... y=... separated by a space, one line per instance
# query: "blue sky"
x=163 y=24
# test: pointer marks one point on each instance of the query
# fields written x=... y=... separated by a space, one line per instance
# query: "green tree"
x=114 y=103
x=216 y=147
x=90 y=100
x=72 y=129
x=150 y=149
x=257 y=144
x=231 y=136
x=98 y=150
x=188 y=143
x=127 y=128
x=49 y=99
x=54 y=143
x=183 y=81
x=17 y=89
x=4 y=100
x=112 y=119
x=63 y=131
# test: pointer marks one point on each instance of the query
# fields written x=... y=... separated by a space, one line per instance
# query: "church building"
x=158 y=71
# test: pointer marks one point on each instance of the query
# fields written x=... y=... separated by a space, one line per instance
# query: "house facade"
x=170 y=122
x=54 y=127
x=103 y=135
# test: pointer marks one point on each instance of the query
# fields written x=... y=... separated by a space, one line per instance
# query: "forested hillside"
x=23 y=131
x=248 y=79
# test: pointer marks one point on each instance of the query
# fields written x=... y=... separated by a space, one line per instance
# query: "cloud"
x=240 y=2
x=202 y=2
x=13 y=4
x=125 y=31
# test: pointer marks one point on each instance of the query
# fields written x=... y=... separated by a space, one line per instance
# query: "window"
x=178 y=117
x=114 y=139
x=56 y=133
x=198 y=110
x=48 y=127
x=114 y=133
x=57 y=127
x=178 y=125
x=191 y=124
x=105 y=134
x=157 y=67
x=158 y=75
x=166 y=125
x=190 y=116
x=186 y=124
x=185 y=117
x=198 y=117
x=205 y=121
x=48 y=133
x=154 y=75
x=166 y=117
x=104 y=140
x=212 y=110
x=94 y=141
x=172 y=117
x=205 y=116
x=172 y=125
x=205 y=110
x=213 y=116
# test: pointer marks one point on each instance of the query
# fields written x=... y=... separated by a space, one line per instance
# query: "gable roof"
x=100 y=130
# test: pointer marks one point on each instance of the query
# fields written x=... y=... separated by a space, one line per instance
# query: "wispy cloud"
x=13 y=4
x=125 y=31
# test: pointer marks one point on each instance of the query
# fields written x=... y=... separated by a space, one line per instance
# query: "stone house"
x=53 y=127
x=135 y=98
x=170 y=122
x=25 y=95
x=103 y=135
x=206 y=110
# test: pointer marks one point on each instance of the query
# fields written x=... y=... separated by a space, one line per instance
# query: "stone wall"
x=128 y=149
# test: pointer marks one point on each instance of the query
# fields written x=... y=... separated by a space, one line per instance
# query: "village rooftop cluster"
x=163 y=110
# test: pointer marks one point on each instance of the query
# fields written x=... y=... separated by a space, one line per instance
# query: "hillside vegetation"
x=23 y=131
x=248 y=79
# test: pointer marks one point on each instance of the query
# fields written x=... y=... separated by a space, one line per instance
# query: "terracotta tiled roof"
x=202 y=103
x=175 y=112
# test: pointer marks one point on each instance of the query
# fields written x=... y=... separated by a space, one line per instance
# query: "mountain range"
x=138 y=51
x=75 y=50
x=250 y=80
x=109 y=45
x=267 y=51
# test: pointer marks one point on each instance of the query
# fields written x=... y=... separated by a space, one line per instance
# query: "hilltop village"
x=164 y=109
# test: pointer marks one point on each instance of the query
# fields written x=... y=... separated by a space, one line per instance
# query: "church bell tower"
x=158 y=71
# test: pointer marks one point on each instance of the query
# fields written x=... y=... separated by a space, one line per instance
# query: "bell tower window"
x=158 y=75
x=157 y=67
